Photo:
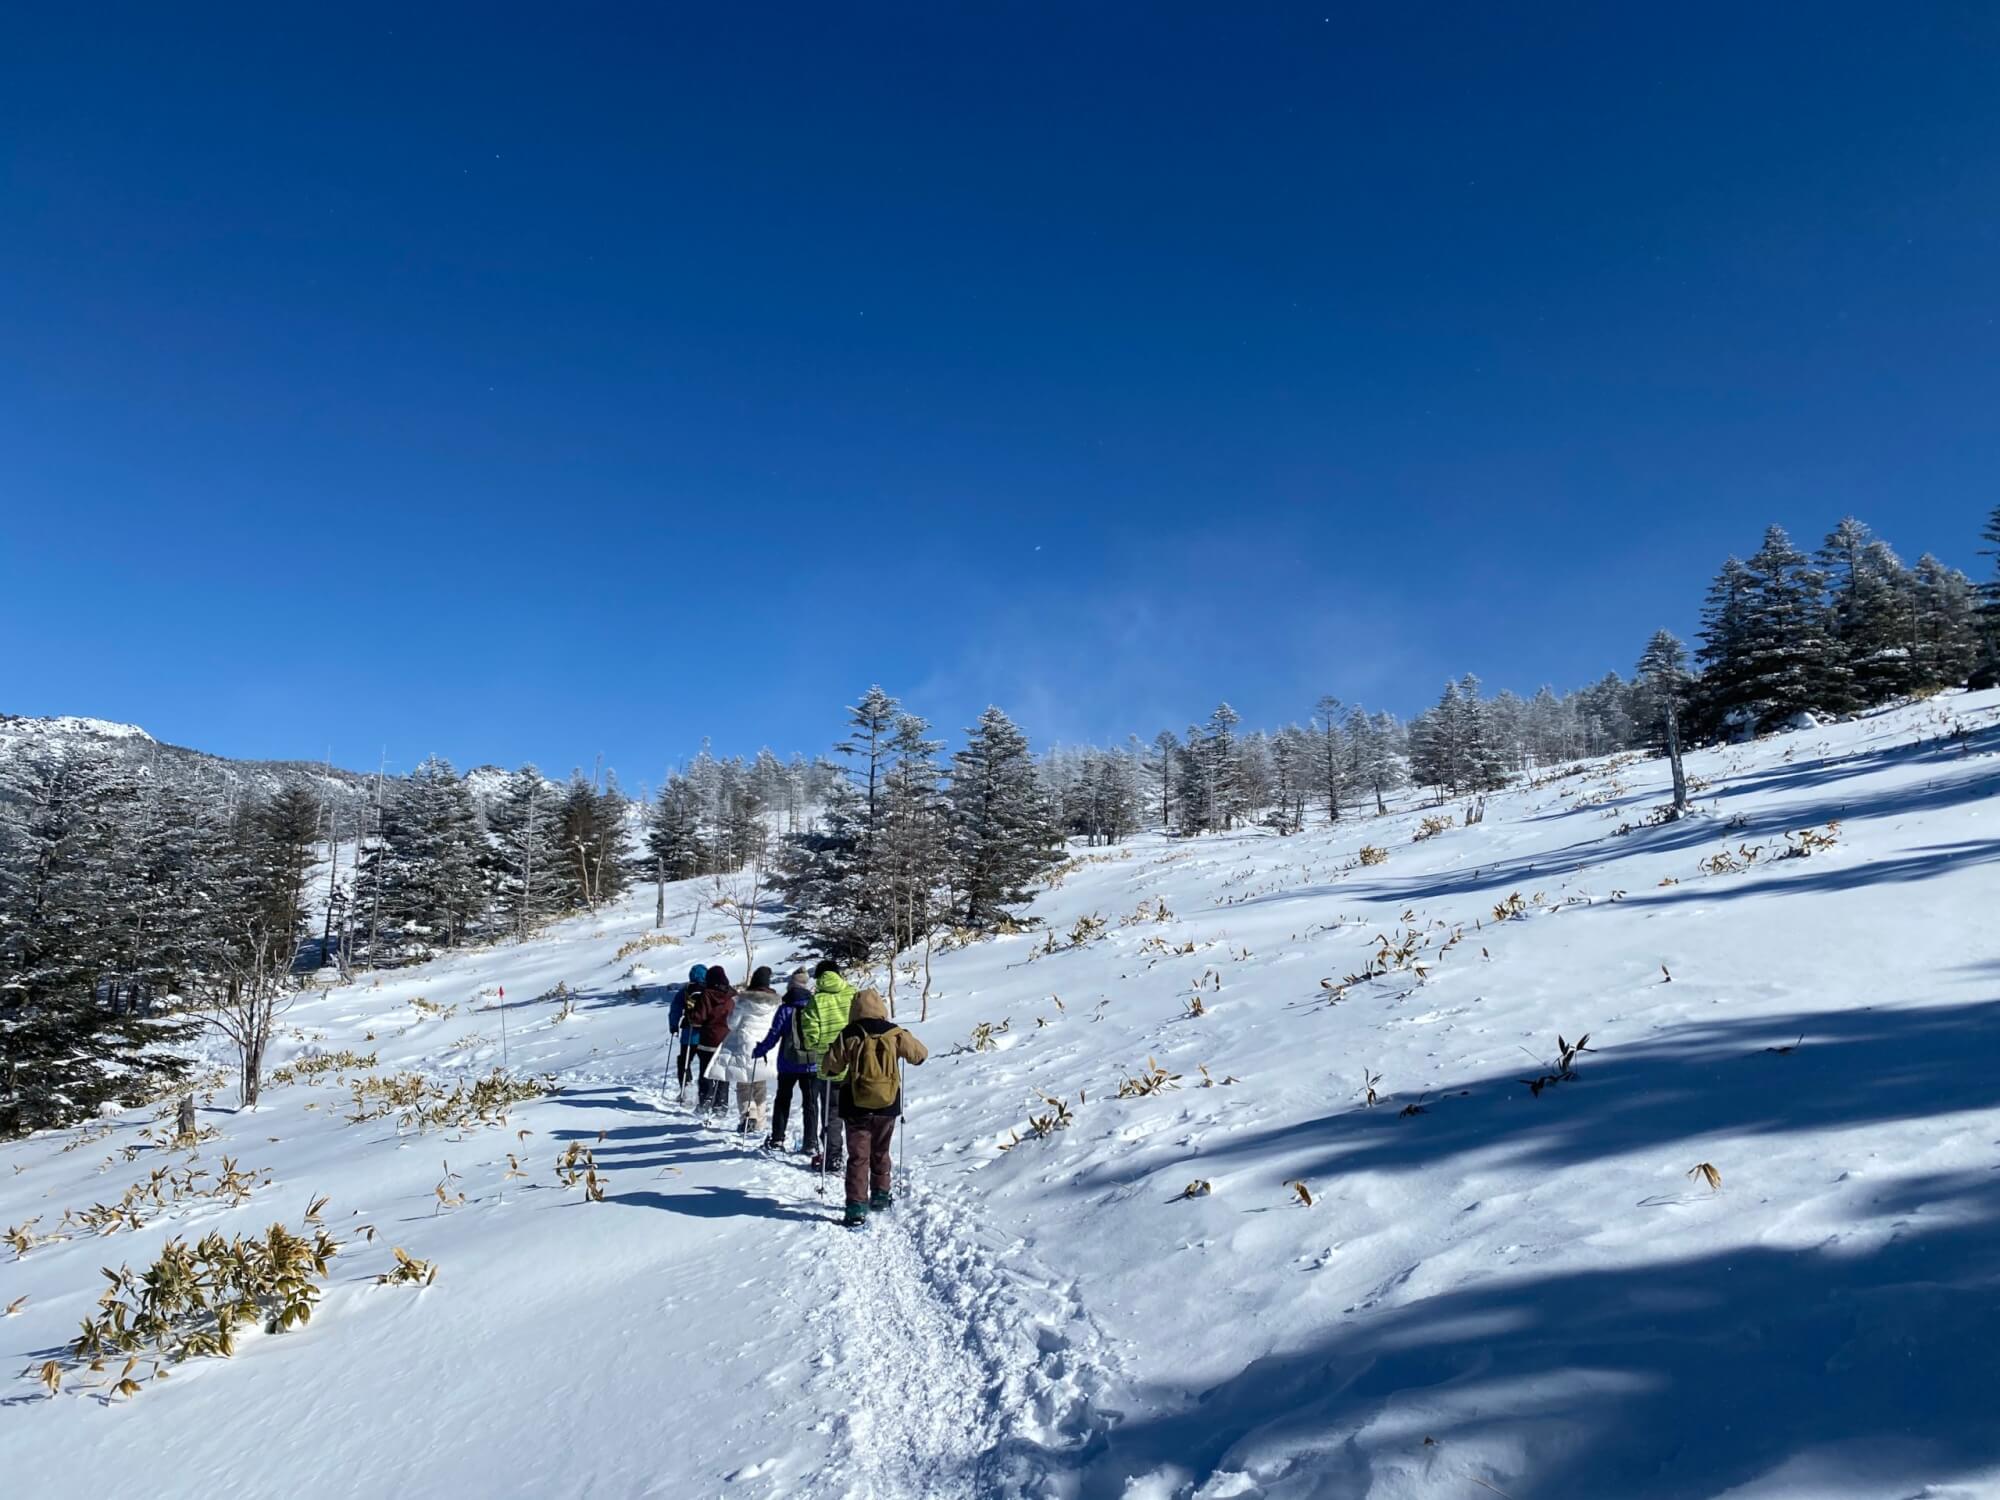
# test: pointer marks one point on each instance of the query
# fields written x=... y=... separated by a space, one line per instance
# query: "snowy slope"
x=1504 y=1291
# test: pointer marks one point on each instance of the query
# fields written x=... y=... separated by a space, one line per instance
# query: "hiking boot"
x=857 y=1216
x=773 y=1143
x=817 y=1164
x=881 y=1202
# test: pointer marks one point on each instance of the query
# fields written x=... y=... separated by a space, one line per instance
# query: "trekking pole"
x=825 y=1104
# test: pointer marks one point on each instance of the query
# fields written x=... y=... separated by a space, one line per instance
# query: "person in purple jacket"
x=796 y=1070
x=677 y=1022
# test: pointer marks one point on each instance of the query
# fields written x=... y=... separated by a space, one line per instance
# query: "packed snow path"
x=1493 y=1289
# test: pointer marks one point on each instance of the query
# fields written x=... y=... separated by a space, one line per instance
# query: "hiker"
x=738 y=1060
x=681 y=1021
x=867 y=1058
x=716 y=1002
x=824 y=1020
x=797 y=1071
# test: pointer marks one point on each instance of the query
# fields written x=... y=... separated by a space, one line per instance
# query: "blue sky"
x=525 y=382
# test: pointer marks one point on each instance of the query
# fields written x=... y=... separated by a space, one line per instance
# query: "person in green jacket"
x=820 y=1025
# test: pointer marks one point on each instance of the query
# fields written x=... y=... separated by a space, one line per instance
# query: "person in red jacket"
x=712 y=1011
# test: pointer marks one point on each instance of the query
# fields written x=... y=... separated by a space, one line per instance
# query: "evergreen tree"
x=1882 y=626
x=1328 y=776
x=872 y=725
x=590 y=841
x=425 y=863
x=1789 y=662
x=914 y=864
x=1223 y=782
x=1945 y=642
x=1724 y=650
x=673 y=831
x=70 y=1040
x=1002 y=832
x=1372 y=764
x=1987 y=672
x=529 y=880
x=1168 y=749
x=831 y=906
x=744 y=831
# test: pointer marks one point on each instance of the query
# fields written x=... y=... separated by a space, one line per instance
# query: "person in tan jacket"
x=867 y=1058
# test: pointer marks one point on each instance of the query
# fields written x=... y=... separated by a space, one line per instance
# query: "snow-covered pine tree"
x=871 y=726
x=1003 y=835
x=1292 y=762
x=424 y=866
x=831 y=906
x=1223 y=780
x=1256 y=785
x=71 y=1039
x=1875 y=609
x=1723 y=701
x=1987 y=672
x=914 y=856
x=744 y=831
x=673 y=830
x=1194 y=801
x=1790 y=662
x=1946 y=636
x=528 y=880
x=590 y=841
x=1373 y=747
x=1843 y=563
x=1116 y=794
x=1506 y=718
x=1328 y=774
x=260 y=925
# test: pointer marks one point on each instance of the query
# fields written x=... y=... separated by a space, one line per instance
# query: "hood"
x=798 y=992
x=868 y=1006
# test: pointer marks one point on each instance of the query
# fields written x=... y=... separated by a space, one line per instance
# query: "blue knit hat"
x=697 y=974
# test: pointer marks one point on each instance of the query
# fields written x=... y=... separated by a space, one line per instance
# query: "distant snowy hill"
x=1260 y=1166
x=100 y=739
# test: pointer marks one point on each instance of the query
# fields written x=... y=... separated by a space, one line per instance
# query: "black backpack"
x=792 y=1047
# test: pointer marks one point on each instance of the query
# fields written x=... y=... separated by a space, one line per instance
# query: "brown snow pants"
x=869 y=1147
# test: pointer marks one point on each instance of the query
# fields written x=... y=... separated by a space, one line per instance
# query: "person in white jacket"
x=736 y=1061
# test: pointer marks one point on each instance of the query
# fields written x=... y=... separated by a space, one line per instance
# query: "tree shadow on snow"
x=706 y=1201
x=1840 y=1365
x=1700 y=832
x=1856 y=1067
x=602 y=1098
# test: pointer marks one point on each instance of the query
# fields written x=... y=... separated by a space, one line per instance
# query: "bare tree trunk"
x=375 y=900
x=659 y=893
x=332 y=874
x=1674 y=757
x=528 y=865
x=924 y=1000
x=184 y=1123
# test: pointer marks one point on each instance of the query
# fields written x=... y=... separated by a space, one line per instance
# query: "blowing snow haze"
x=1124 y=751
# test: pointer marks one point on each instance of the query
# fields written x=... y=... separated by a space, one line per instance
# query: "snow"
x=1504 y=1292
x=68 y=726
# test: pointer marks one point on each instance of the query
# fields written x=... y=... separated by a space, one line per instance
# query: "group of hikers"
x=822 y=1039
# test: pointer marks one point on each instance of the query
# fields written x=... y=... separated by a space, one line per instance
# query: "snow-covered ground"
x=1493 y=1290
